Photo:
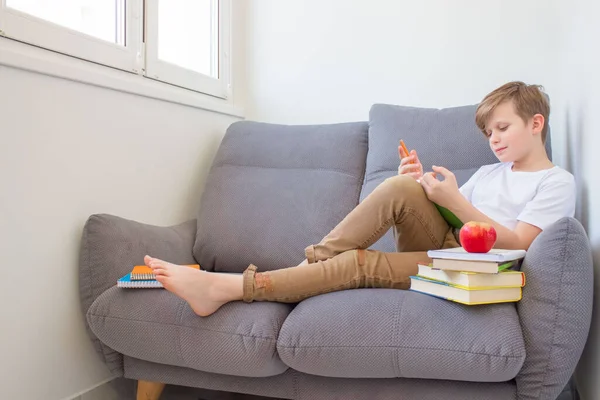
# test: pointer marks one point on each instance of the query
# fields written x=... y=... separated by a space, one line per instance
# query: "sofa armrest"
x=556 y=309
x=111 y=246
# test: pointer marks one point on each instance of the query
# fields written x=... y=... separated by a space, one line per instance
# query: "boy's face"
x=510 y=138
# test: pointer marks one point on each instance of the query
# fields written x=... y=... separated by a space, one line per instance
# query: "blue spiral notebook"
x=127 y=282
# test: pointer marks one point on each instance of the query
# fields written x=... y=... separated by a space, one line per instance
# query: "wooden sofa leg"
x=149 y=390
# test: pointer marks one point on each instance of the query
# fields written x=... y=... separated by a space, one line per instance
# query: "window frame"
x=35 y=31
x=138 y=56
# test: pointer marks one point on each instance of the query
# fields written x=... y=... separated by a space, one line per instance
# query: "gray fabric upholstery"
x=155 y=325
x=282 y=386
x=110 y=246
x=556 y=308
x=296 y=385
x=275 y=189
x=386 y=333
x=320 y=388
x=445 y=137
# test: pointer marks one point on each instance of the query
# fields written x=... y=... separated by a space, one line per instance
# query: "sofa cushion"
x=110 y=245
x=557 y=306
x=446 y=137
x=386 y=333
x=275 y=189
x=155 y=325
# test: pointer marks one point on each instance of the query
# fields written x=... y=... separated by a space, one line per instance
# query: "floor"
x=124 y=389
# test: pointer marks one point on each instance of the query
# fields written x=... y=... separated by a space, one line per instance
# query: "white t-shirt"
x=538 y=198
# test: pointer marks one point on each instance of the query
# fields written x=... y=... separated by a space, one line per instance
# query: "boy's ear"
x=538 y=123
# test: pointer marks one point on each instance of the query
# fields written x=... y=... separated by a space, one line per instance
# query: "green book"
x=449 y=216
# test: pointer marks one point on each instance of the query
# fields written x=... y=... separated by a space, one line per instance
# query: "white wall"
x=329 y=61
x=323 y=61
x=69 y=150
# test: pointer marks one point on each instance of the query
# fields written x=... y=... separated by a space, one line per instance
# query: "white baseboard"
x=101 y=390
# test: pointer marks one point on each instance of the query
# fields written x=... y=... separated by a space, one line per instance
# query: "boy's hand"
x=410 y=164
x=442 y=193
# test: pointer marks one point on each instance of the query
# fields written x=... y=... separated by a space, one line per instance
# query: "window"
x=180 y=42
x=101 y=19
x=184 y=39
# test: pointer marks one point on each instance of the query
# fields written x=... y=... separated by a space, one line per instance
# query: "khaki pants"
x=340 y=260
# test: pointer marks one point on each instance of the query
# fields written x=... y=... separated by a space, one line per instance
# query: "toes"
x=155 y=262
x=158 y=263
x=161 y=278
x=160 y=271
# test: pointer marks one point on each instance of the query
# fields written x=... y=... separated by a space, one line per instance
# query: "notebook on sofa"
x=141 y=276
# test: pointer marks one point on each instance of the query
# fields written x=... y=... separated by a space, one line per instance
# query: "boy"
x=520 y=196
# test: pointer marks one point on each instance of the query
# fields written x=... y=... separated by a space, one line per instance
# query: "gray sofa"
x=272 y=190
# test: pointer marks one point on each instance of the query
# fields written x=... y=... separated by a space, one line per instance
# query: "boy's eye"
x=504 y=128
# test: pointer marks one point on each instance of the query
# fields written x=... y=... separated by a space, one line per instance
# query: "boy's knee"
x=354 y=257
x=403 y=184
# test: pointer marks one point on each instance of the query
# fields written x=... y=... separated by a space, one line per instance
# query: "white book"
x=489 y=267
x=494 y=255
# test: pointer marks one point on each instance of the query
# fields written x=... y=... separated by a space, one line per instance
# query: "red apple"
x=477 y=237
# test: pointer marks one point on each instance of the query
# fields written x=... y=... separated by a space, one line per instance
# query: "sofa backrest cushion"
x=445 y=137
x=275 y=189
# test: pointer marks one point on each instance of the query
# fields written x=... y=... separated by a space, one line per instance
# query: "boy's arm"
x=447 y=194
x=519 y=238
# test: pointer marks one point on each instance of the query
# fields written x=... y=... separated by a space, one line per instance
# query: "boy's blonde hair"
x=527 y=100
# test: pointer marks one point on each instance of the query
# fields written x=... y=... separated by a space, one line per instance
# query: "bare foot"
x=205 y=292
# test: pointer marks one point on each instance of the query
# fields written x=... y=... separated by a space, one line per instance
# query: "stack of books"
x=142 y=277
x=471 y=278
